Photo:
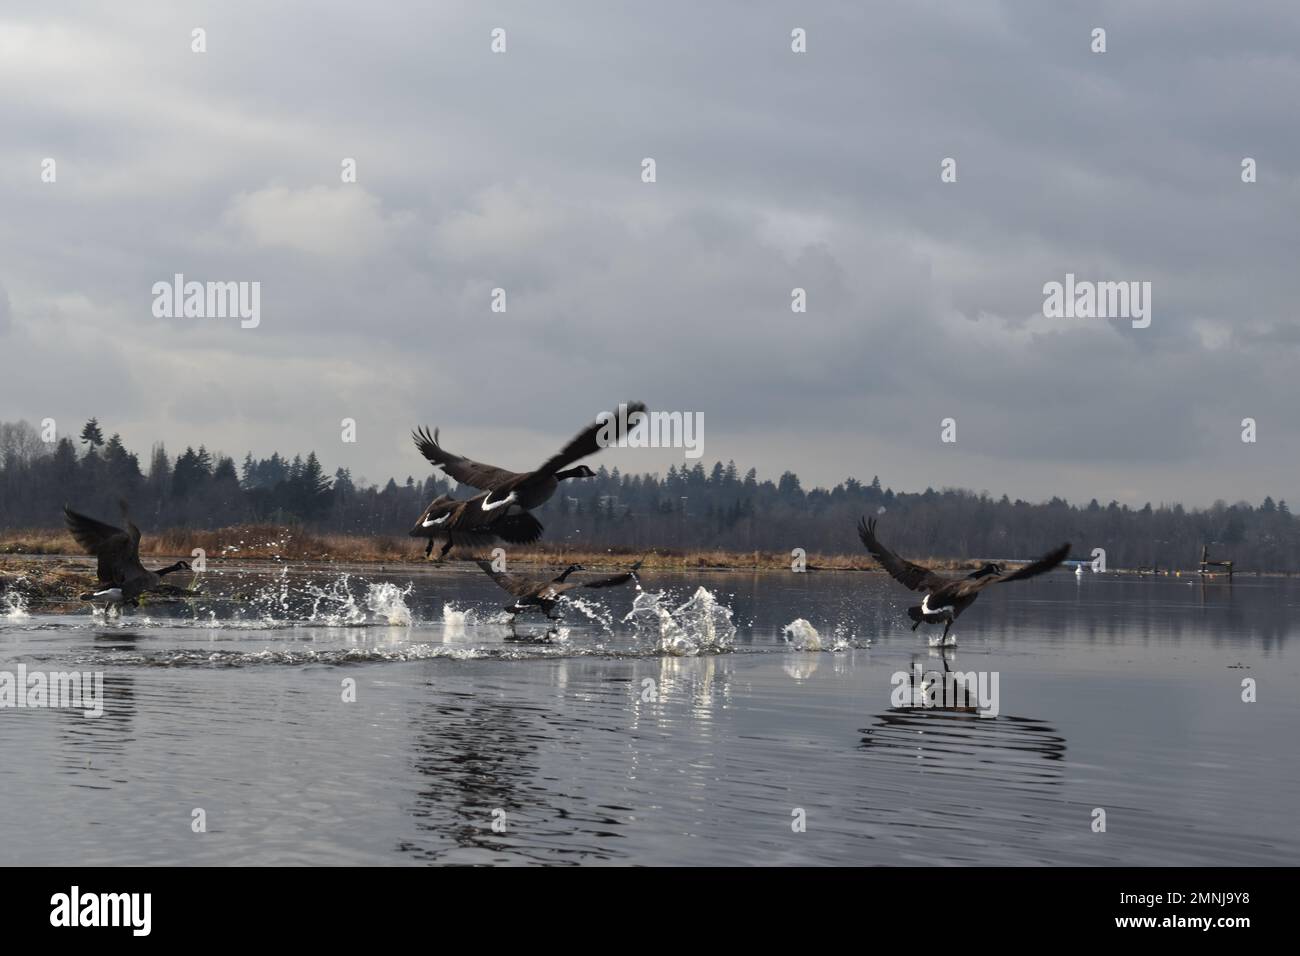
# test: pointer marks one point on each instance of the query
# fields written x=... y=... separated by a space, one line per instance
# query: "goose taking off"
x=122 y=578
x=946 y=598
x=532 y=592
x=526 y=489
x=464 y=522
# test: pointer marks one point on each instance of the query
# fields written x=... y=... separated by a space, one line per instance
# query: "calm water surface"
x=693 y=731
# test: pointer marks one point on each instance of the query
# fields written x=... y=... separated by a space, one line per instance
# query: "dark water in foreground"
x=667 y=739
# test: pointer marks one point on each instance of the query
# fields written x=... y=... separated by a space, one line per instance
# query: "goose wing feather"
x=476 y=474
x=516 y=584
x=582 y=444
x=904 y=572
x=1041 y=566
x=612 y=580
x=116 y=549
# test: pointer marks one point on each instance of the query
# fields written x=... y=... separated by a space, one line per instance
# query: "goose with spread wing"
x=526 y=489
x=464 y=522
x=122 y=578
x=544 y=594
x=946 y=598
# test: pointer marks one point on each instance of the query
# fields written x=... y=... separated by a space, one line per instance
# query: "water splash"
x=335 y=603
x=845 y=639
x=700 y=625
x=802 y=636
x=13 y=605
x=455 y=621
x=388 y=601
x=344 y=601
x=594 y=611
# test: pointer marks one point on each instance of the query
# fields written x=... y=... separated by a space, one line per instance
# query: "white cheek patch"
x=109 y=594
x=429 y=523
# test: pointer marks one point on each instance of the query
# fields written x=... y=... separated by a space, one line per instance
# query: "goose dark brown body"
x=525 y=489
x=946 y=598
x=535 y=592
x=118 y=553
x=465 y=523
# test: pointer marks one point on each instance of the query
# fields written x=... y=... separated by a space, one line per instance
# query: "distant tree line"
x=689 y=508
x=195 y=490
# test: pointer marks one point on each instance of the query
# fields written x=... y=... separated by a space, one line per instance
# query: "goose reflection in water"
x=481 y=762
x=1025 y=753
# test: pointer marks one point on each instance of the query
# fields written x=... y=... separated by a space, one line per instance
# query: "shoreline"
x=36 y=567
x=278 y=545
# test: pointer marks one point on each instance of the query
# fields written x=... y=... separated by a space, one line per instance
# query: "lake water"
x=676 y=725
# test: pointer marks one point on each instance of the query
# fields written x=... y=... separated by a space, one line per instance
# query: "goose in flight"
x=464 y=522
x=526 y=489
x=946 y=598
x=122 y=578
x=536 y=592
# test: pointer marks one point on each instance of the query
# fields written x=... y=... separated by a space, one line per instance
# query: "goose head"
x=987 y=569
x=582 y=471
x=569 y=570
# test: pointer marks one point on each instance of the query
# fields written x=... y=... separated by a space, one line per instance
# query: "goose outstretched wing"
x=903 y=571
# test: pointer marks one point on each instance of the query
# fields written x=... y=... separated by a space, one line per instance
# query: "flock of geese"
x=503 y=511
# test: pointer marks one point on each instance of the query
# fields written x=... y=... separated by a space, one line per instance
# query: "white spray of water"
x=592 y=610
x=388 y=602
x=454 y=621
x=802 y=636
x=334 y=604
x=699 y=625
x=13 y=607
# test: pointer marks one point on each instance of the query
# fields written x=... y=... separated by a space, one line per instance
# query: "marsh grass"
x=279 y=543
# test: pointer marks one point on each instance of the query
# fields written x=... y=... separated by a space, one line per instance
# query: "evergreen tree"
x=91 y=435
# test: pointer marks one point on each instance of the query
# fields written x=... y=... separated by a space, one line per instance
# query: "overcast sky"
x=775 y=170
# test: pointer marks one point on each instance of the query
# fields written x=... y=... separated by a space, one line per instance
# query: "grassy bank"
x=276 y=543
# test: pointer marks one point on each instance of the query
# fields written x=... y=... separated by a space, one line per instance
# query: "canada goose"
x=526 y=489
x=946 y=598
x=532 y=592
x=122 y=577
x=464 y=522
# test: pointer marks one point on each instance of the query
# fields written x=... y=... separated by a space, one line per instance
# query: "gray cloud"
x=775 y=170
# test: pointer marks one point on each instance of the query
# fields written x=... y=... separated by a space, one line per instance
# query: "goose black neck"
x=566 y=572
x=178 y=566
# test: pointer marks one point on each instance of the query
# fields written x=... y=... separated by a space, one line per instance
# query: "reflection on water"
x=678 y=724
x=966 y=744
